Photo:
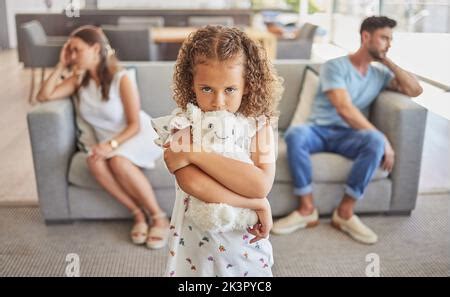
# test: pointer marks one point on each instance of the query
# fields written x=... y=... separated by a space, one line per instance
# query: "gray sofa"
x=67 y=191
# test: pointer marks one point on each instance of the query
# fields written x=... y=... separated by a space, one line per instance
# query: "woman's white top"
x=108 y=120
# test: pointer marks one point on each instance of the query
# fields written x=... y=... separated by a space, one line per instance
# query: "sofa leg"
x=31 y=96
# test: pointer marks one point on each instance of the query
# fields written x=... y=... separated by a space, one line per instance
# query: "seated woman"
x=109 y=101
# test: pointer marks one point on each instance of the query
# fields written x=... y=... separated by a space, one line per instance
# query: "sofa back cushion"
x=155 y=87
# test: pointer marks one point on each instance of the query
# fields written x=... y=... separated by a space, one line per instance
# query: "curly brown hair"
x=263 y=85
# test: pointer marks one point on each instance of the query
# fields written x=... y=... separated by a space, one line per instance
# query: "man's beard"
x=377 y=55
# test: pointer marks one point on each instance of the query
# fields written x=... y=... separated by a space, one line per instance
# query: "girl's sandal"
x=157 y=236
x=139 y=232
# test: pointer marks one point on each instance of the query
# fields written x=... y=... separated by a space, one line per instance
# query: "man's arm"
x=353 y=116
x=403 y=82
x=350 y=114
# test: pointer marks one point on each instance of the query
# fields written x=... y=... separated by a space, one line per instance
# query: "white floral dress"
x=193 y=253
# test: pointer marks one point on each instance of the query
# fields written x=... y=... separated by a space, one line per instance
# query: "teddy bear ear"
x=246 y=125
x=179 y=122
x=190 y=108
x=177 y=111
x=158 y=142
x=160 y=126
x=193 y=112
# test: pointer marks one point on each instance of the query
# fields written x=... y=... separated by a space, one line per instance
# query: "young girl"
x=220 y=68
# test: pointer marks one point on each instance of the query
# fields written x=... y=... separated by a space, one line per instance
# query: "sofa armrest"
x=51 y=126
x=403 y=122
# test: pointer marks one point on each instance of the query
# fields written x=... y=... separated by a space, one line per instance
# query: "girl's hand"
x=101 y=151
x=177 y=152
x=262 y=229
x=175 y=160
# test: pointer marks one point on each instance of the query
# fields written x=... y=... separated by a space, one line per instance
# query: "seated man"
x=348 y=85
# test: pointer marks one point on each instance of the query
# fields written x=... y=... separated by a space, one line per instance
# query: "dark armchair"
x=300 y=47
x=39 y=50
x=131 y=43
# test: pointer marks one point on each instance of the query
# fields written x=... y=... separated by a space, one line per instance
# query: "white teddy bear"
x=219 y=132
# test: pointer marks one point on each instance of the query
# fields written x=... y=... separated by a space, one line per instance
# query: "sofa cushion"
x=377 y=198
x=80 y=175
x=308 y=91
x=155 y=87
x=326 y=167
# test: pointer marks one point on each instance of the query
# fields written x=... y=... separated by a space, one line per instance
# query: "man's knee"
x=375 y=142
x=297 y=136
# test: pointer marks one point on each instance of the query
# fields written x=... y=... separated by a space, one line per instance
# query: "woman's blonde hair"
x=263 y=85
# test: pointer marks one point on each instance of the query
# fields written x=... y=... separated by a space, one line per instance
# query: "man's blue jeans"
x=364 y=147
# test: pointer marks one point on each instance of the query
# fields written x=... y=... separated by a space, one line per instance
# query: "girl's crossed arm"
x=248 y=180
x=197 y=183
x=194 y=181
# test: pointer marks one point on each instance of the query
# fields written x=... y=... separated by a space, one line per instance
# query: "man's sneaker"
x=355 y=228
x=295 y=221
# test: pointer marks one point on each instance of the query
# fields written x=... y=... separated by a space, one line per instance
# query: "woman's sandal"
x=157 y=236
x=139 y=232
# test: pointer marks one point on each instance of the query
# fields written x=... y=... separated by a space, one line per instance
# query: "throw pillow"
x=308 y=91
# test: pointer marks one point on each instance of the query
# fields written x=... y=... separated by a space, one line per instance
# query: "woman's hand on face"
x=101 y=151
x=262 y=229
x=64 y=56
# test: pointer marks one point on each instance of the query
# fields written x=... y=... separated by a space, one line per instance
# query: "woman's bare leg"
x=105 y=178
x=131 y=178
